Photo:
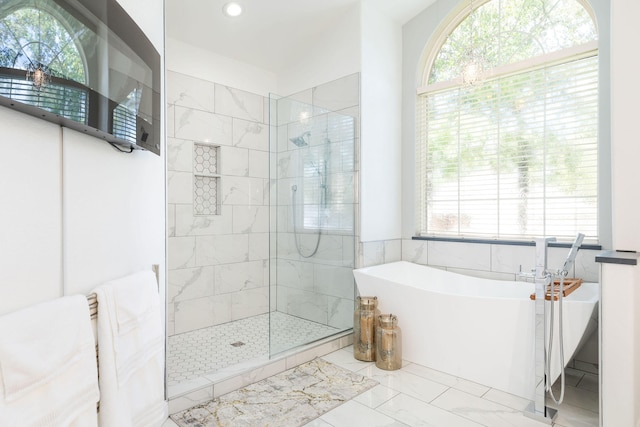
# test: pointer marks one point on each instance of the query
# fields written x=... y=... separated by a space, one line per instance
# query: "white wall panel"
x=113 y=212
x=30 y=251
x=381 y=176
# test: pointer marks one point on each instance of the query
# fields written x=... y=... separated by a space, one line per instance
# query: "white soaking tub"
x=478 y=329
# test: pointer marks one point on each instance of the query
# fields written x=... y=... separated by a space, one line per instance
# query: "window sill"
x=503 y=242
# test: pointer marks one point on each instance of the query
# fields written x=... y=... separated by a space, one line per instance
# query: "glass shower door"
x=312 y=237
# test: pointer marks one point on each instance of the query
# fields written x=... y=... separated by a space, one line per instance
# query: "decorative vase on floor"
x=364 y=321
x=388 y=343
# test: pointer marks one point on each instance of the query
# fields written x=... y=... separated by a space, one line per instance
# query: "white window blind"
x=512 y=158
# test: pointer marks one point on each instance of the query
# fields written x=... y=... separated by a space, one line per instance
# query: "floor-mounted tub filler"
x=477 y=329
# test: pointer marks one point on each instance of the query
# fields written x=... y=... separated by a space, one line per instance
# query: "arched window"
x=40 y=63
x=508 y=123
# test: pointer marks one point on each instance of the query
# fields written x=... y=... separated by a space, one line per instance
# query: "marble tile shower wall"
x=319 y=288
x=218 y=264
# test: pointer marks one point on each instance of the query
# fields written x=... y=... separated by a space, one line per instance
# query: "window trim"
x=549 y=59
x=454 y=19
x=505 y=242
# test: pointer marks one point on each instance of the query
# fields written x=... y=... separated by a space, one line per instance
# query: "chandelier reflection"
x=39 y=74
x=473 y=65
x=472 y=69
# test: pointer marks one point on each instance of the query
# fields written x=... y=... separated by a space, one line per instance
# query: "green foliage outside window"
x=513 y=156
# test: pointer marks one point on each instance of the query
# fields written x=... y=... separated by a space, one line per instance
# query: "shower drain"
x=237 y=344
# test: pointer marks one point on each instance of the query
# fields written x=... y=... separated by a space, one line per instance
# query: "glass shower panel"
x=312 y=223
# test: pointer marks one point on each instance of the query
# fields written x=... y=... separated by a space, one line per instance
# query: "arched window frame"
x=426 y=63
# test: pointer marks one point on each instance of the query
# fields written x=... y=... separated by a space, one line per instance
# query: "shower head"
x=299 y=140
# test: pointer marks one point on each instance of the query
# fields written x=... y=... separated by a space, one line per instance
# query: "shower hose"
x=294 y=191
x=549 y=352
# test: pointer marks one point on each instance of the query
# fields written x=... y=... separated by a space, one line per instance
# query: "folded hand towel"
x=48 y=372
x=131 y=351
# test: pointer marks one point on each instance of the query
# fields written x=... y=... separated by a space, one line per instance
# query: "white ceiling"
x=269 y=32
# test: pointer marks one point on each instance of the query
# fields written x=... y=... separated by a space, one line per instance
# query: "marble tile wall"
x=380 y=252
x=494 y=260
x=218 y=264
x=318 y=288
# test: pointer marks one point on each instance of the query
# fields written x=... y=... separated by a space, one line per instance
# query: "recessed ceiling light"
x=232 y=9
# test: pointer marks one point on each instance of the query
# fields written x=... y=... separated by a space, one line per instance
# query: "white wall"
x=415 y=35
x=75 y=211
x=333 y=56
x=625 y=93
x=621 y=346
x=206 y=65
x=380 y=180
x=31 y=250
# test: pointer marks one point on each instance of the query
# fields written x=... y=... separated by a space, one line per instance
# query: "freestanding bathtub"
x=478 y=329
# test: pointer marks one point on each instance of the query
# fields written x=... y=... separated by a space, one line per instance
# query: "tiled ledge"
x=617 y=257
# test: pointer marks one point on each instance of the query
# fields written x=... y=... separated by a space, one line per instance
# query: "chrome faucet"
x=542 y=244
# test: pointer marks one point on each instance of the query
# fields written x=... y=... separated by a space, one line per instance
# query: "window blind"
x=511 y=158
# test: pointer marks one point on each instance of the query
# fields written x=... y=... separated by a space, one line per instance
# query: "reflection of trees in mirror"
x=32 y=36
x=35 y=41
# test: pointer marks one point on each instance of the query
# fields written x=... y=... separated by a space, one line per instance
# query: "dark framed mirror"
x=83 y=64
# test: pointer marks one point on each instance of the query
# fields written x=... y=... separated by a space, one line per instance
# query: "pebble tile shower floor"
x=205 y=351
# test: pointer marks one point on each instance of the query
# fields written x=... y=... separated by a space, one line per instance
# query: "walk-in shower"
x=261 y=235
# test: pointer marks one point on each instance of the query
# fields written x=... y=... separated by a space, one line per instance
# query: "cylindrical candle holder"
x=388 y=343
x=364 y=321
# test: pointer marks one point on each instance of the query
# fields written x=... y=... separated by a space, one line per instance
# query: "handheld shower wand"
x=568 y=263
x=571 y=258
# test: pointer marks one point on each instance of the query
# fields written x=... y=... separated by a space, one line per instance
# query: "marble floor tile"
x=507 y=399
x=345 y=359
x=589 y=382
x=572 y=416
x=573 y=376
x=414 y=412
x=446 y=379
x=482 y=411
x=376 y=396
x=169 y=423
x=406 y=382
x=578 y=397
x=318 y=422
x=418 y=396
x=358 y=415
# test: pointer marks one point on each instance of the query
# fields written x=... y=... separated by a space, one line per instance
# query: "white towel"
x=48 y=371
x=131 y=352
